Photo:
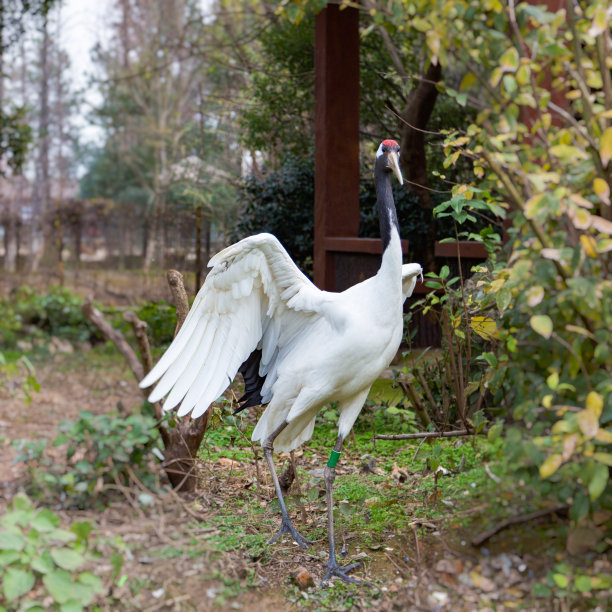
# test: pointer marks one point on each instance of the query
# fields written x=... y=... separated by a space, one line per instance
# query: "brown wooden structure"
x=341 y=259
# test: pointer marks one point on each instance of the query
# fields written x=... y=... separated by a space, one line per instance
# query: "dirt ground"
x=171 y=565
x=444 y=573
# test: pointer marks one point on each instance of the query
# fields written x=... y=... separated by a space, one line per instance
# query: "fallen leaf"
x=481 y=582
x=398 y=473
x=449 y=566
x=302 y=578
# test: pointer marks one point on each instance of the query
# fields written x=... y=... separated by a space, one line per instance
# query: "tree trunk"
x=10 y=238
x=206 y=240
x=151 y=238
x=59 y=233
x=198 y=248
x=42 y=189
x=185 y=438
x=413 y=159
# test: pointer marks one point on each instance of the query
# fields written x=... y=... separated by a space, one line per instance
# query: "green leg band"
x=333 y=458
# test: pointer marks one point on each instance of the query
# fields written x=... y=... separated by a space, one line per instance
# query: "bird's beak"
x=393 y=163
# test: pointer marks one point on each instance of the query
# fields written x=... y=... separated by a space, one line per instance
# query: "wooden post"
x=336 y=134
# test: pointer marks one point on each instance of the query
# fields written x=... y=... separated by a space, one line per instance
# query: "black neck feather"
x=387 y=216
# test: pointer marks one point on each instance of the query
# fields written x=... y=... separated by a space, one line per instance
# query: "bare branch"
x=115 y=336
x=179 y=295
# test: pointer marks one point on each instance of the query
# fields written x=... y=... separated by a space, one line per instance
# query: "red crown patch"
x=390 y=143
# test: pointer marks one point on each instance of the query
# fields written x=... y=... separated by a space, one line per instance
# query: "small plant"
x=17 y=371
x=160 y=318
x=42 y=566
x=103 y=452
x=56 y=313
x=573 y=584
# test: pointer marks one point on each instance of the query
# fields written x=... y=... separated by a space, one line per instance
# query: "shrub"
x=161 y=322
x=56 y=313
x=42 y=566
x=102 y=452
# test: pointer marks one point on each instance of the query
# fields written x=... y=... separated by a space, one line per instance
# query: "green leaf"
x=605 y=458
x=17 y=582
x=59 y=584
x=551 y=465
x=553 y=380
x=503 y=298
x=61 y=535
x=43 y=563
x=541 y=590
x=495 y=431
x=45 y=520
x=469 y=79
x=21 y=503
x=81 y=529
x=72 y=606
x=599 y=479
x=91 y=581
x=8 y=556
x=11 y=541
x=542 y=324
x=509 y=61
x=588 y=423
x=605 y=146
x=561 y=580
x=67 y=559
x=583 y=583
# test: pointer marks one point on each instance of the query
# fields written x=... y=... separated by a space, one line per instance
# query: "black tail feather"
x=253 y=382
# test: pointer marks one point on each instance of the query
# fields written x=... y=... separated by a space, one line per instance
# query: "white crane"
x=297 y=347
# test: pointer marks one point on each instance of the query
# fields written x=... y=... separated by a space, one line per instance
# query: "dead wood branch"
x=426 y=434
x=523 y=518
x=140 y=331
x=429 y=394
x=179 y=295
x=115 y=336
x=410 y=391
x=185 y=439
x=285 y=480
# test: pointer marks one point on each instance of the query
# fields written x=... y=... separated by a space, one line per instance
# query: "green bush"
x=42 y=566
x=160 y=318
x=540 y=148
x=282 y=203
x=102 y=453
x=56 y=313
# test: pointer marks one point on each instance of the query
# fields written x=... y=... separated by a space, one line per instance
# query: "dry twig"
x=426 y=434
x=523 y=518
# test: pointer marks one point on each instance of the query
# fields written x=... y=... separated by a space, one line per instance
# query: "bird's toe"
x=333 y=569
x=287 y=528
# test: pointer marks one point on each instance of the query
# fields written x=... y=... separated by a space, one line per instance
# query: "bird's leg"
x=333 y=569
x=286 y=525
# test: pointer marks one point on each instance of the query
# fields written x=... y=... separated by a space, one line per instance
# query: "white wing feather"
x=253 y=296
x=410 y=274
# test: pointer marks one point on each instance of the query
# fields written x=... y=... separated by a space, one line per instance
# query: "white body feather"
x=317 y=347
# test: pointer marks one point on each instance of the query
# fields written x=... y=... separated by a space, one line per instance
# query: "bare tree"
x=152 y=75
x=42 y=191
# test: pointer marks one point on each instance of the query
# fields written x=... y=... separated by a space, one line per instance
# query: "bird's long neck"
x=387 y=216
x=391 y=266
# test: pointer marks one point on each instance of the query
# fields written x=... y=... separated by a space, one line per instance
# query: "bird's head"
x=387 y=158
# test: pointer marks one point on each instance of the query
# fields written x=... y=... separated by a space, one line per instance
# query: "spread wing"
x=410 y=273
x=255 y=297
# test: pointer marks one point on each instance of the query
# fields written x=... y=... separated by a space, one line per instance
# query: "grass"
x=371 y=504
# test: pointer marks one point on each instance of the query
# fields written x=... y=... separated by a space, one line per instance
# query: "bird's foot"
x=287 y=527
x=333 y=569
